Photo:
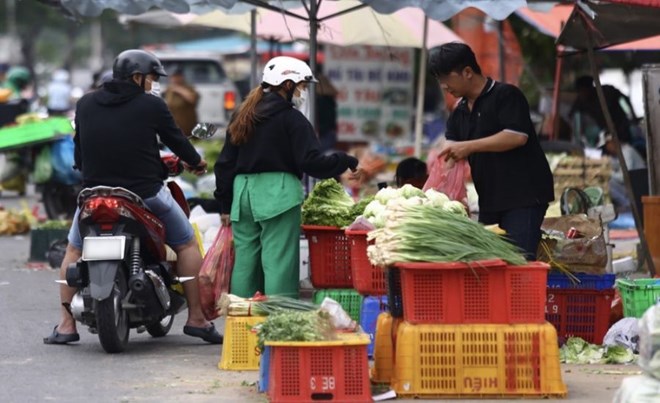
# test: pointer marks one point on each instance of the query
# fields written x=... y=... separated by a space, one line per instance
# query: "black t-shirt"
x=504 y=180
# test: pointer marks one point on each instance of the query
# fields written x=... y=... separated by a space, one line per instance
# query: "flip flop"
x=59 y=338
x=208 y=334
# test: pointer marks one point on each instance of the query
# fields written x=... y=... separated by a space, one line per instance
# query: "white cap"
x=282 y=68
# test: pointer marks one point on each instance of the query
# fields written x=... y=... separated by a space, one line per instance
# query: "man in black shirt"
x=492 y=128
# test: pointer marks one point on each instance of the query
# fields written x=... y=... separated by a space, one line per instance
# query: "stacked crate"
x=580 y=305
x=468 y=330
x=581 y=172
x=369 y=281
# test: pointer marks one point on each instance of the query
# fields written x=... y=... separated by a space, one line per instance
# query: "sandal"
x=60 y=338
x=208 y=334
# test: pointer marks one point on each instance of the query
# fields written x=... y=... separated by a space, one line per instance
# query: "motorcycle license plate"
x=103 y=248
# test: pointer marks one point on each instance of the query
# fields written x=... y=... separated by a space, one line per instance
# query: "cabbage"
x=385 y=194
x=578 y=351
x=619 y=355
x=407 y=191
x=436 y=199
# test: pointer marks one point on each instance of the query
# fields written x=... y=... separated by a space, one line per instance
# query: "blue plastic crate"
x=264 y=362
x=586 y=281
x=371 y=308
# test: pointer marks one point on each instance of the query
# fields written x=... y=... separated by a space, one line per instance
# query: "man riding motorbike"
x=116 y=144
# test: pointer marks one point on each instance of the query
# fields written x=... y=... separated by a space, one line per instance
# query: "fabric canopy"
x=610 y=22
x=551 y=22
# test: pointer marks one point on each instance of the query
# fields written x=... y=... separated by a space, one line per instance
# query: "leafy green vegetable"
x=359 y=207
x=295 y=326
x=328 y=204
x=578 y=351
x=407 y=191
x=55 y=224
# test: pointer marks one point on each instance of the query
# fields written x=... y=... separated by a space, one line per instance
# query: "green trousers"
x=267 y=250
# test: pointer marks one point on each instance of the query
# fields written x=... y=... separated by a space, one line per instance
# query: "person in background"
x=633 y=160
x=270 y=144
x=18 y=80
x=411 y=171
x=491 y=127
x=182 y=99
x=618 y=104
x=326 y=111
x=59 y=94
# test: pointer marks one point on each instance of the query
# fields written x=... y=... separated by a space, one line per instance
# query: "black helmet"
x=134 y=61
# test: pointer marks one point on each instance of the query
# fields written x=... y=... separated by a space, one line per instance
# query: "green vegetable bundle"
x=426 y=233
x=260 y=305
x=295 y=326
x=328 y=205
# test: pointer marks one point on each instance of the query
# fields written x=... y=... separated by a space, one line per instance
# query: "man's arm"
x=500 y=142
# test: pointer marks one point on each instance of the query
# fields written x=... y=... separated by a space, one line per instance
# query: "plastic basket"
x=309 y=371
x=367 y=278
x=585 y=281
x=486 y=291
x=477 y=361
x=349 y=299
x=385 y=340
x=329 y=257
x=239 y=349
x=394 y=294
x=638 y=295
x=581 y=313
x=371 y=308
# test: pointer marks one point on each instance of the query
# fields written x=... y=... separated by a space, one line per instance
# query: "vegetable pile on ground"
x=432 y=229
x=578 y=351
x=328 y=205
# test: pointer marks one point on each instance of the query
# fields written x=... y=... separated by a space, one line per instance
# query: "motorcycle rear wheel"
x=112 y=319
x=162 y=328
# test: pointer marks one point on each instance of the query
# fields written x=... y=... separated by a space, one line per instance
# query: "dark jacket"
x=283 y=140
x=117 y=129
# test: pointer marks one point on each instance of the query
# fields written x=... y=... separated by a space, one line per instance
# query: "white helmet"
x=282 y=68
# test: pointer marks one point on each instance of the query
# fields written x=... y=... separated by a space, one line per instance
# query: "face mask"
x=298 y=101
x=155 y=89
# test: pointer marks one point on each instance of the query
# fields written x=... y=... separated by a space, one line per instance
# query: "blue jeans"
x=522 y=225
x=178 y=230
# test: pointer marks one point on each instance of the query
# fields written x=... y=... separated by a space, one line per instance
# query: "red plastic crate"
x=581 y=313
x=367 y=278
x=336 y=371
x=486 y=291
x=329 y=257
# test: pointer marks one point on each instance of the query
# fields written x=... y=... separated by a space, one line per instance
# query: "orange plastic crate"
x=336 y=371
x=384 y=342
x=581 y=313
x=486 y=291
x=472 y=361
x=329 y=257
x=367 y=278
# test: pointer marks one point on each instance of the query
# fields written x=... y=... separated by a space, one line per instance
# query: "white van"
x=203 y=70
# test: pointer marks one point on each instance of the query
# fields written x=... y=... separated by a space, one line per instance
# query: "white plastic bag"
x=338 y=316
x=638 y=389
x=623 y=333
x=649 y=341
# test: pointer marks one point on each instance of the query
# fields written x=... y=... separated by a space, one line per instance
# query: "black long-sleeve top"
x=283 y=140
x=116 y=141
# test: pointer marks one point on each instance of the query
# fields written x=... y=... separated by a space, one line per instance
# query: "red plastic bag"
x=450 y=181
x=215 y=274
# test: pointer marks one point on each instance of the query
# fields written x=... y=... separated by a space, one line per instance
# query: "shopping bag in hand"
x=448 y=180
x=215 y=274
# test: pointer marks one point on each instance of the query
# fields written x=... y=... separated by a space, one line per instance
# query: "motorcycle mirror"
x=204 y=130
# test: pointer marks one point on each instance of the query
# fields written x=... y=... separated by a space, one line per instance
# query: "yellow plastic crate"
x=477 y=361
x=386 y=329
x=239 y=349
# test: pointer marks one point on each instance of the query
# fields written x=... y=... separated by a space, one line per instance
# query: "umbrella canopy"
x=403 y=28
x=551 y=22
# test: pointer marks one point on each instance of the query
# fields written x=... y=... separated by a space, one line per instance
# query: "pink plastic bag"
x=216 y=270
x=450 y=181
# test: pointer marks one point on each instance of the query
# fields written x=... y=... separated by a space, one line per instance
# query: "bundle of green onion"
x=261 y=305
x=424 y=233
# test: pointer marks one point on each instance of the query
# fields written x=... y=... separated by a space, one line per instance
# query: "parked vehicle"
x=203 y=70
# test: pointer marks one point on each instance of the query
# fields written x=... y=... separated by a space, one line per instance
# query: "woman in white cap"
x=270 y=144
